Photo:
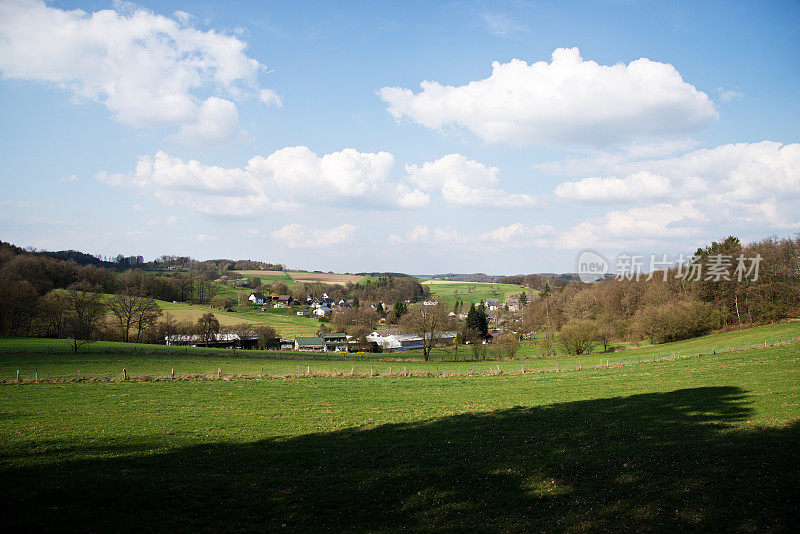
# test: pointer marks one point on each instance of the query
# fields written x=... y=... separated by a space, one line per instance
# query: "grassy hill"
x=285 y=322
x=702 y=444
x=450 y=292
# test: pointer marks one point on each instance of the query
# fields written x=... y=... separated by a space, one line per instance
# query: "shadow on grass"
x=652 y=462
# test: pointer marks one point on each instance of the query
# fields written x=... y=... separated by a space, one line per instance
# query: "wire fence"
x=384 y=370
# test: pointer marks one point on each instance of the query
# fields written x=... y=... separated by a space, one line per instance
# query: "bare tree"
x=147 y=313
x=429 y=323
x=84 y=309
x=507 y=345
x=207 y=327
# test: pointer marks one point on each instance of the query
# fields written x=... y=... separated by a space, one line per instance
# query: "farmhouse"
x=257 y=298
x=493 y=304
x=322 y=310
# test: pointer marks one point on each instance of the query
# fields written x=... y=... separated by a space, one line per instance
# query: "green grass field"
x=703 y=443
x=51 y=358
x=450 y=292
x=285 y=322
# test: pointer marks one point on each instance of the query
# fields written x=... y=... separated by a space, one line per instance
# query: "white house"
x=257 y=298
x=322 y=310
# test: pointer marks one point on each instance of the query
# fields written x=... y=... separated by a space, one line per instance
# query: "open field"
x=704 y=443
x=268 y=277
x=258 y=272
x=51 y=359
x=285 y=322
x=472 y=291
x=328 y=278
x=192 y=312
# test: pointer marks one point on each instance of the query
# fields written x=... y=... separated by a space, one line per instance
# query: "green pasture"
x=51 y=358
x=705 y=443
x=450 y=292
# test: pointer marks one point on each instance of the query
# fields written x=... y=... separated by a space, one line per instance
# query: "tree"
x=133 y=311
x=267 y=337
x=207 y=327
x=579 y=336
x=506 y=345
x=84 y=309
x=18 y=306
x=523 y=298
x=427 y=322
x=147 y=313
x=473 y=338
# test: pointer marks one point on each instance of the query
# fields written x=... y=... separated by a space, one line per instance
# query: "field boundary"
x=491 y=371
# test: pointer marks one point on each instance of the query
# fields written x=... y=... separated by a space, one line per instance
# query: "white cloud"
x=270 y=98
x=287 y=178
x=423 y=234
x=727 y=95
x=642 y=185
x=519 y=235
x=501 y=24
x=203 y=238
x=144 y=67
x=735 y=188
x=636 y=226
x=568 y=100
x=69 y=178
x=464 y=182
x=299 y=236
x=216 y=122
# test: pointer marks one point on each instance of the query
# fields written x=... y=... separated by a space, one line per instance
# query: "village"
x=384 y=338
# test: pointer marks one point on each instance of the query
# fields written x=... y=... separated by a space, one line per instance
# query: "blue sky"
x=300 y=132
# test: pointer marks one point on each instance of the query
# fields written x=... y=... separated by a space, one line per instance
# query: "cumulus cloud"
x=270 y=98
x=642 y=185
x=295 y=176
x=567 y=101
x=464 y=182
x=287 y=178
x=520 y=235
x=511 y=236
x=144 y=67
x=727 y=189
x=424 y=234
x=299 y=236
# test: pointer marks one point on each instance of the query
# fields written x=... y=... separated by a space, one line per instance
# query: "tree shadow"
x=651 y=462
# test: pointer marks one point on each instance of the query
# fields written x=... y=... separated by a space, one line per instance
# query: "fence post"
x=172 y=373
x=219 y=372
x=36 y=379
x=124 y=374
x=308 y=369
x=17 y=375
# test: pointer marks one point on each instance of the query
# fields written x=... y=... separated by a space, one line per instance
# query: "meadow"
x=286 y=323
x=703 y=443
x=51 y=358
x=450 y=292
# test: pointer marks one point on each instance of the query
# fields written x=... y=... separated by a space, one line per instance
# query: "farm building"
x=228 y=340
x=493 y=304
x=393 y=340
x=323 y=343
